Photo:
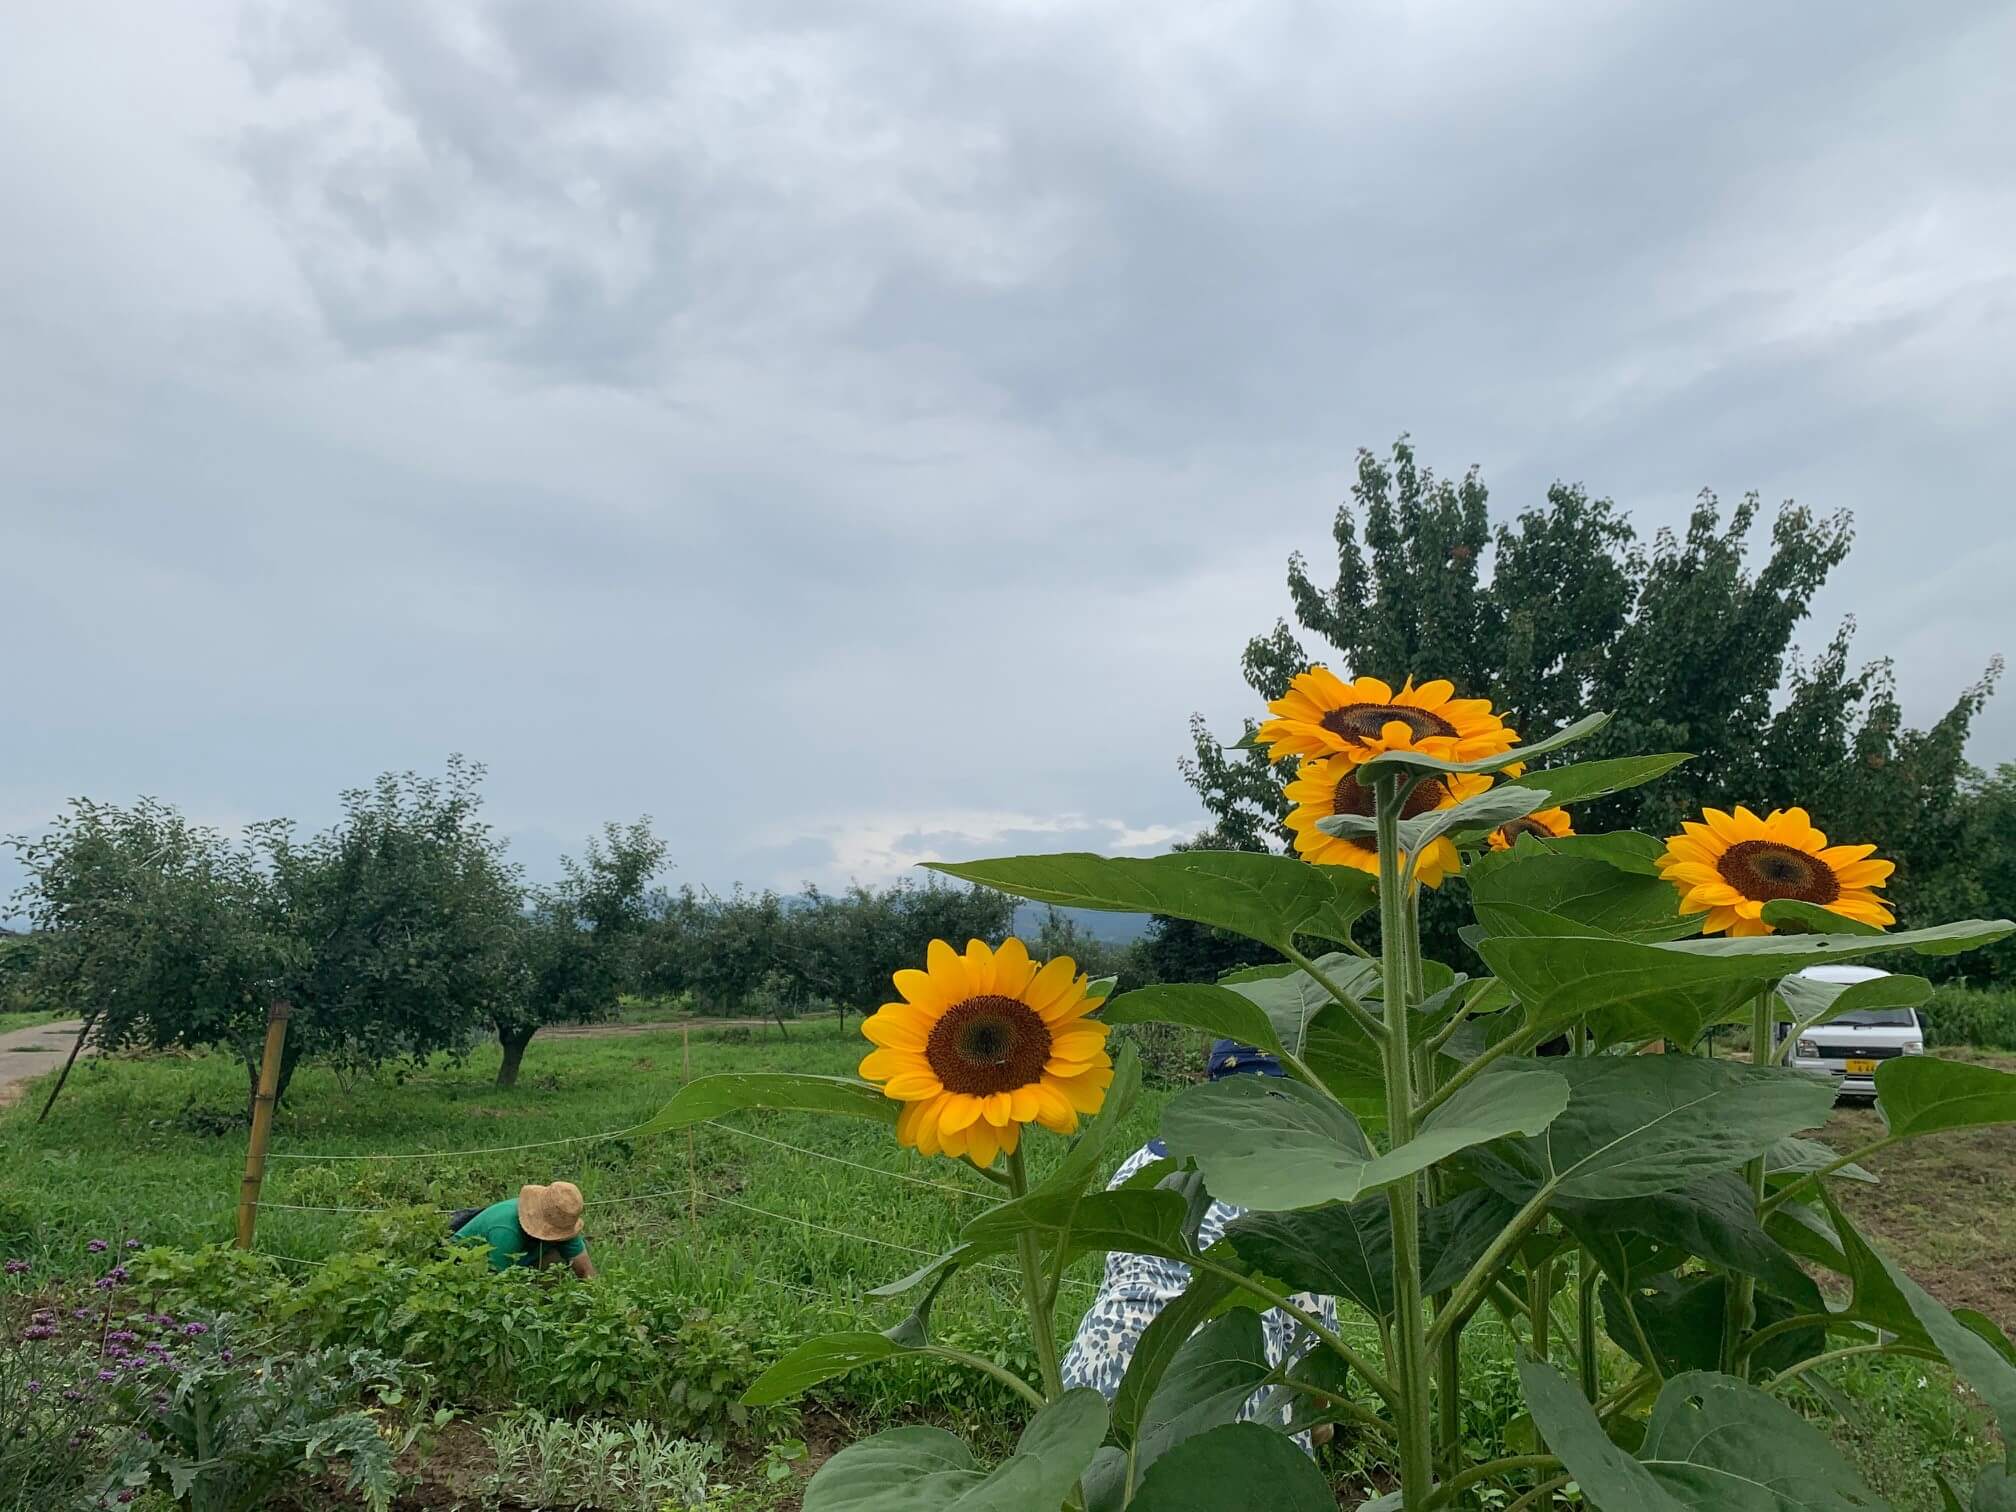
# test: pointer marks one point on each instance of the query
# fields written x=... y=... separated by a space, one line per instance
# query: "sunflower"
x=1322 y=715
x=983 y=1043
x=1733 y=864
x=1323 y=788
x=1547 y=824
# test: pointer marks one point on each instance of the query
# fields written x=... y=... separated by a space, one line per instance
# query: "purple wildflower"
x=224 y=1355
x=40 y=1331
x=122 y=1336
x=104 y=1283
x=195 y=1330
x=118 y=1273
x=73 y=1395
x=17 y=1267
x=82 y=1312
x=108 y=1376
x=132 y=1244
x=124 y=1496
x=34 y=1388
x=166 y=1320
x=97 y=1246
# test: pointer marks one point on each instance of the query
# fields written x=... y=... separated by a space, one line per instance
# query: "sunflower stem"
x=1042 y=1330
x=1739 y=1308
x=1412 y=1368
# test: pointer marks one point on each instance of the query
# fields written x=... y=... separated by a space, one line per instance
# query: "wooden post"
x=83 y=1034
x=262 y=1120
x=692 y=1164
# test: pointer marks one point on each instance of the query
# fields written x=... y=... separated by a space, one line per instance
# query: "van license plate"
x=1861 y=1068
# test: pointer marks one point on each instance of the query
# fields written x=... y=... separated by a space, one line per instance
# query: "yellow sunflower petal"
x=983 y=1143
x=1050 y=984
x=1053 y=1109
x=998 y=1108
x=1026 y=1100
x=979 y=968
x=1012 y=968
x=919 y=989
x=1085 y=1093
x=897 y=1026
x=961 y=1109
x=886 y=1065
x=912 y=1085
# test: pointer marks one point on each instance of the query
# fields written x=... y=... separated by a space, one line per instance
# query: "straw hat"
x=550 y=1212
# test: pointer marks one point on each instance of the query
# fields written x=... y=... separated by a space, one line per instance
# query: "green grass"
x=26 y=1019
x=154 y=1150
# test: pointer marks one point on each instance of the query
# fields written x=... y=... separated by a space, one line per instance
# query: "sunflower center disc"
x=1359 y=723
x=988 y=1044
x=1765 y=869
x=1353 y=797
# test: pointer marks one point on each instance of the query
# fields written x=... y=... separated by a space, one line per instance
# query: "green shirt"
x=497 y=1226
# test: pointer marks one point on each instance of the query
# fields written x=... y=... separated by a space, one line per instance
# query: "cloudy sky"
x=860 y=433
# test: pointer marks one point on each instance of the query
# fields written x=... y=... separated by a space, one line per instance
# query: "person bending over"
x=540 y=1226
x=1136 y=1288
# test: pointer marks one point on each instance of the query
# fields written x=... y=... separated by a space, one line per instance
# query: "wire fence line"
x=690 y=1191
x=696 y=1194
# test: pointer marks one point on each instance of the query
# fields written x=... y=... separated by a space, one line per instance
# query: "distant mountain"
x=1117 y=928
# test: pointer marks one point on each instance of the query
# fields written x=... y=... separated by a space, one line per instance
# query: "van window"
x=1879 y=1018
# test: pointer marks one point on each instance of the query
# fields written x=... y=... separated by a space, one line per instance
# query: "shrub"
x=629 y=1344
x=1970 y=1016
x=226 y=1429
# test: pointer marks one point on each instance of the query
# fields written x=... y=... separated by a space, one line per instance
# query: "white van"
x=1851 y=1047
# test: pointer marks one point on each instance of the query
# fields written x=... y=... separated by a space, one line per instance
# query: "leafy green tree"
x=718 y=949
x=405 y=914
x=1562 y=610
x=156 y=931
x=579 y=944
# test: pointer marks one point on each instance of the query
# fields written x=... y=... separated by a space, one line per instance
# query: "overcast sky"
x=860 y=433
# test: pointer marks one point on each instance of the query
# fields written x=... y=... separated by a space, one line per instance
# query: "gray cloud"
x=854 y=436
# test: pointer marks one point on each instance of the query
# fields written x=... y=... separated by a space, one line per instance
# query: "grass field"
x=795 y=1216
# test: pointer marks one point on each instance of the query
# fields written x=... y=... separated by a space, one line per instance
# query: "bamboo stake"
x=262 y=1120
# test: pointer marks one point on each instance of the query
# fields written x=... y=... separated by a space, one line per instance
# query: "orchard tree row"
x=405 y=930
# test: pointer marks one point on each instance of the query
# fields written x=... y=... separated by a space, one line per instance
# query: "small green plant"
x=226 y=1430
x=551 y=1462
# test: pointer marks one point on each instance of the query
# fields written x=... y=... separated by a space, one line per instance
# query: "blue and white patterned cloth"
x=1137 y=1287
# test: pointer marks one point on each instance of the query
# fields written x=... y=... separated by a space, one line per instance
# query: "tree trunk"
x=514 y=1042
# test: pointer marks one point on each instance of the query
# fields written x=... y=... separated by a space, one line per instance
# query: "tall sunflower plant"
x=1444 y=1145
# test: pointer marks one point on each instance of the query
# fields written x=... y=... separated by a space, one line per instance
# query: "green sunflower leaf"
x=1276 y=1145
x=1263 y=897
x=820 y=1359
x=1923 y=1094
x=1796 y=916
x=1198 y=1005
x=1484 y=811
x=1389 y=761
x=1812 y=1003
x=1591 y=896
x=1714 y=1444
x=1598 y=779
x=1638 y=1124
x=785 y=1091
x=1241 y=1467
x=929 y=1470
x=1559 y=979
